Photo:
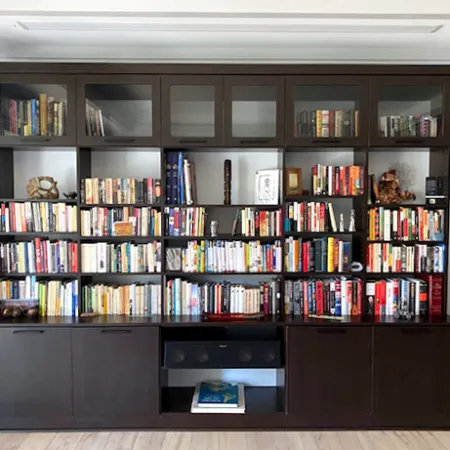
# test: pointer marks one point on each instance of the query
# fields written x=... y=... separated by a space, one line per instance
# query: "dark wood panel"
x=328 y=376
x=35 y=378
x=408 y=377
x=116 y=376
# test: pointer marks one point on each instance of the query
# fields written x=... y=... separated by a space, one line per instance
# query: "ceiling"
x=285 y=31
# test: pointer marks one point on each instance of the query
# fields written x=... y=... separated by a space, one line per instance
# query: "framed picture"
x=293 y=180
x=267 y=187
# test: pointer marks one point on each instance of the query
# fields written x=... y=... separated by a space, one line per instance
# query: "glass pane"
x=408 y=111
x=254 y=111
x=119 y=110
x=326 y=111
x=192 y=111
x=33 y=110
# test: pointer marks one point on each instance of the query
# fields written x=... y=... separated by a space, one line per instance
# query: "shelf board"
x=120 y=238
x=310 y=197
x=38 y=200
x=258 y=400
x=39 y=275
x=48 y=234
x=406 y=205
x=411 y=242
x=321 y=274
x=223 y=237
x=218 y=205
x=307 y=234
x=127 y=274
x=400 y=274
x=185 y=274
x=120 y=205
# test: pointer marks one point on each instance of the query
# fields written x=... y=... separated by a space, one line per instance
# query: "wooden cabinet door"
x=116 y=382
x=329 y=376
x=35 y=378
x=408 y=376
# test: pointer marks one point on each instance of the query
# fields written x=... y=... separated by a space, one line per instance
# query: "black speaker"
x=431 y=186
x=222 y=354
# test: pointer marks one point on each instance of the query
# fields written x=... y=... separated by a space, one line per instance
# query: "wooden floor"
x=360 y=440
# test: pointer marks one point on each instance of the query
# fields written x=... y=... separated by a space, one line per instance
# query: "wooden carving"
x=42 y=187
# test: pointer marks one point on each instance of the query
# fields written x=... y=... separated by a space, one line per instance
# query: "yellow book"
x=330 y=253
x=28 y=125
x=319 y=123
x=43 y=114
x=202 y=261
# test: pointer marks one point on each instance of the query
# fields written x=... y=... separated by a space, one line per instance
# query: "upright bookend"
x=227 y=182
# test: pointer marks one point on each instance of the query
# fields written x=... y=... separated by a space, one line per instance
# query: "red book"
x=359 y=296
x=395 y=293
x=74 y=257
x=377 y=298
x=305 y=297
x=435 y=284
x=44 y=258
x=383 y=297
x=266 y=299
x=305 y=254
x=362 y=180
x=12 y=208
x=319 y=297
x=337 y=182
x=37 y=249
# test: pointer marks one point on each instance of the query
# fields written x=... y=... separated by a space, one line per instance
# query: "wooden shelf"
x=223 y=237
x=121 y=205
x=213 y=205
x=246 y=274
x=308 y=234
x=412 y=242
x=39 y=200
x=114 y=239
x=40 y=275
x=310 y=198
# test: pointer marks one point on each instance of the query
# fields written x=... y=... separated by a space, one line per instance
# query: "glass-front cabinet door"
x=407 y=110
x=327 y=110
x=192 y=110
x=254 y=110
x=37 y=110
x=119 y=110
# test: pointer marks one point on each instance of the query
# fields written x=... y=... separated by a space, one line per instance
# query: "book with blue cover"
x=218 y=393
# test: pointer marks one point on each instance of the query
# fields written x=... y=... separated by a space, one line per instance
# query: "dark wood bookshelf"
x=128 y=351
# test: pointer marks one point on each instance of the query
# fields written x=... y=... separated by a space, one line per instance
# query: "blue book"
x=33 y=116
x=175 y=183
x=180 y=179
x=218 y=393
x=169 y=197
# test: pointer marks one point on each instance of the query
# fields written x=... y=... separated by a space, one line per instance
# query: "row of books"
x=185 y=221
x=130 y=300
x=334 y=297
x=39 y=256
x=310 y=216
x=40 y=116
x=337 y=180
x=326 y=254
x=256 y=223
x=225 y=256
x=120 y=190
x=327 y=123
x=94 y=121
x=103 y=221
x=126 y=257
x=408 y=126
x=38 y=216
x=180 y=180
x=189 y=298
x=406 y=224
x=401 y=258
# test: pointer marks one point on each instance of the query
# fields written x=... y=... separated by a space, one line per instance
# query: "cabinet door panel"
x=329 y=376
x=408 y=376
x=116 y=376
x=35 y=378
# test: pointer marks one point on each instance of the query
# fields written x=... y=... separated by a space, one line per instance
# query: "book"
x=409 y=126
x=339 y=180
x=180 y=179
x=220 y=408
x=327 y=123
x=184 y=221
x=218 y=394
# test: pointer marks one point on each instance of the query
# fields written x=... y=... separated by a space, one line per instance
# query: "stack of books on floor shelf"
x=218 y=397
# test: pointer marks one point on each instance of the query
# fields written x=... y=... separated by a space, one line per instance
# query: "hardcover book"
x=220 y=397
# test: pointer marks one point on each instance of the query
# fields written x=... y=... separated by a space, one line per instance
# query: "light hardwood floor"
x=359 y=440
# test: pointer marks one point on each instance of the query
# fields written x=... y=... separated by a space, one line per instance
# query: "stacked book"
x=225 y=256
x=218 y=397
x=103 y=221
x=389 y=258
x=180 y=180
x=337 y=180
x=120 y=190
x=337 y=297
x=409 y=126
x=406 y=224
x=310 y=216
x=189 y=298
x=94 y=121
x=185 y=221
x=326 y=255
x=327 y=123
x=258 y=223
x=40 y=116
x=39 y=256
x=38 y=216
x=126 y=257
x=129 y=299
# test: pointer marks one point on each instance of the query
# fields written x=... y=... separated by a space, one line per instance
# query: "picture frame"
x=293 y=181
x=267 y=187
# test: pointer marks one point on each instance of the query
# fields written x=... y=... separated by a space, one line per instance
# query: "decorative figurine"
x=227 y=182
x=72 y=195
x=42 y=187
x=389 y=191
x=341 y=222
x=214 y=228
x=351 y=225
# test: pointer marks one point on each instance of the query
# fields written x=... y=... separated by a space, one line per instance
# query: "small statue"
x=389 y=191
x=351 y=225
x=341 y=223
x=214 y=228
x=72 y=195
x=43 y=187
